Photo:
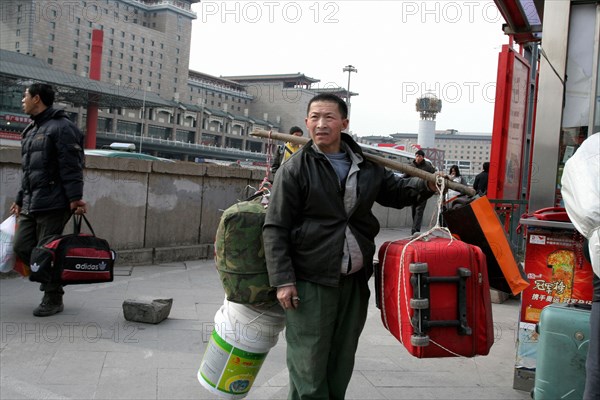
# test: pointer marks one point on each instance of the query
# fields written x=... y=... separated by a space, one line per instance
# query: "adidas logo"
x=102 y=266
x=35 y=267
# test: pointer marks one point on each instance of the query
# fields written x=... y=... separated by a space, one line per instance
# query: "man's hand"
x=78 y=207
x=288 y=297
x=15 y=209
x=432 y=185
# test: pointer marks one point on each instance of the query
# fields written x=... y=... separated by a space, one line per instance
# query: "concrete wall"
x=152 y=212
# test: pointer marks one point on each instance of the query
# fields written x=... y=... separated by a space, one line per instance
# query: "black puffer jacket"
x=305 y=225
x=52 y=160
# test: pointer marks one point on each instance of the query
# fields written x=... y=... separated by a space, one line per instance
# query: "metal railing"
x=177 y=143
x=509 y=212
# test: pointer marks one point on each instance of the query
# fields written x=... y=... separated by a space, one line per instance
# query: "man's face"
x=325 y=125
x=419 y=158
x=29 y=103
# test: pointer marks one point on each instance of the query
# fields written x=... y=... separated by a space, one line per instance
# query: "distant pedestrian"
x=454 y=176
x=284 y=152
x=51 y=184
x=419 y=208
x=481 y=180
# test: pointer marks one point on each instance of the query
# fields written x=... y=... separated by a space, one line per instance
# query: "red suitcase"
x=437 y=302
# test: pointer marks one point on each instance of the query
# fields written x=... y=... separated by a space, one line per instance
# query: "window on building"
x=86 y=70
x=51 y=36
x=53 y=25
x=130 y=68
x=50 y=61
x=111 y=41
x=18 y=32
x=74 y=67
x=19 y=20
x=51 y=49
x=131 y=47
x=75 y=55
x=132 y=36
x=17 y=45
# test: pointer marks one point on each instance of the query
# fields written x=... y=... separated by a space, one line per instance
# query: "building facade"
x=146 y=48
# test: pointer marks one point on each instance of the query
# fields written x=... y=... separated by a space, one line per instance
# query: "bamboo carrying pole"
x=405 y=168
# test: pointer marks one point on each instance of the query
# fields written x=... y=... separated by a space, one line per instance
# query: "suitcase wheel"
x=419 y=341
x=418 y=268
x=419 y=304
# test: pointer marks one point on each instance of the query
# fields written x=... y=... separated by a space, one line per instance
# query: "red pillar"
x=92 y=109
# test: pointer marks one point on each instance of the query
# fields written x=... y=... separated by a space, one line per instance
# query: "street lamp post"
x=349 y=69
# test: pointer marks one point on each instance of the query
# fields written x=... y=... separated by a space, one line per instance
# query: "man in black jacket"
x=52 y=182
x=481 y=180
x=419 y=208
x=319 y=240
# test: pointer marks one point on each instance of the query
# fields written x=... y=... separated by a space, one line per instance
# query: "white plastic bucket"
x=237 y=349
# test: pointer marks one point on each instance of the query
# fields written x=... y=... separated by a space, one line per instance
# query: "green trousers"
x=322 y=337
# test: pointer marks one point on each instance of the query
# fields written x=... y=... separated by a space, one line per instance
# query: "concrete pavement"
x=89 y=351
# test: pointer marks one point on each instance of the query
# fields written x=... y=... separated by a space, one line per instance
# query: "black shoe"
x=45 y=309
x=51 y=304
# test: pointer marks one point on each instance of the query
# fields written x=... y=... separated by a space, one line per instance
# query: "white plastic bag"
x=7 y=235
x=581 y=193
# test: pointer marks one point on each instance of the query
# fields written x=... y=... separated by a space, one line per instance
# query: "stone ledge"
x=181 y=253
x=135 y=257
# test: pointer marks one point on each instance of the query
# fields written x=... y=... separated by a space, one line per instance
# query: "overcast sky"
x=401 y=50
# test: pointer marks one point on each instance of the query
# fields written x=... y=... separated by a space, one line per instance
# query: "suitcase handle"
x=420 y=280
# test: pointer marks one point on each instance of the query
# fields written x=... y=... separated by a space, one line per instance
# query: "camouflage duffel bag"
x=240 y=256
